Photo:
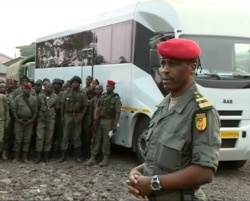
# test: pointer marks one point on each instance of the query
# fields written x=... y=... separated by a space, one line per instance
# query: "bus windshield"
x=224 y=56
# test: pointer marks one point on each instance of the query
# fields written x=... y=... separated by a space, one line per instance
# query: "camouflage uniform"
x=73 y=103
x=4 y=118
x=23 y=132
x=109 y=105
x=58 y=132
x=46 y=123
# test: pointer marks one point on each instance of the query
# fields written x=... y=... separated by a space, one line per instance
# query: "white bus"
x=120 y=45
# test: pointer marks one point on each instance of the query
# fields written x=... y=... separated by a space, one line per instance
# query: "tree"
x=28 y=50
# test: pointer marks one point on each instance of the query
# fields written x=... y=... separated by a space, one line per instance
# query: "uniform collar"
x=183 y=100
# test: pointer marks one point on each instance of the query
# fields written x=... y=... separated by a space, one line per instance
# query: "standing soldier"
x=4 y=117
x=88 y=82
x=25 y=112
x=57 y=137
x=9 y=132
x=110 y=108
x=86 y=125
x=18 y=91
x=47 y=104
x=38 y=90
x=94 y=118
x=73 y=107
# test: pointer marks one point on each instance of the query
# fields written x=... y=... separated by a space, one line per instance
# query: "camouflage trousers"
x=71 y=130
x=22 y=137
x=102 y=140
x=44 y=134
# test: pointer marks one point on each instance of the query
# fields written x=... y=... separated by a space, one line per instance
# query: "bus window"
x=103 y=45
x=121 y=45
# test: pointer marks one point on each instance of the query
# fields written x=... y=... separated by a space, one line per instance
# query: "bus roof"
x=190 y=18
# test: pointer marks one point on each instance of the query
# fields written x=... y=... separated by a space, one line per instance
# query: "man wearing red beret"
x=183 y=137
x=25 y=111
x=109 y=108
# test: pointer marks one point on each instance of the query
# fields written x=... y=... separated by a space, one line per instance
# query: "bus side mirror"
x=154 y=58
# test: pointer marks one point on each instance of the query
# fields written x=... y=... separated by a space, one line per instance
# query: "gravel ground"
x=71 y=181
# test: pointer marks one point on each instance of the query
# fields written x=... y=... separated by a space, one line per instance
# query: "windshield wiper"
x=208 y=75
x=241 y=75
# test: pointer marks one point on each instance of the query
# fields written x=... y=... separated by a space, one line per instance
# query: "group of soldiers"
x=44 y=119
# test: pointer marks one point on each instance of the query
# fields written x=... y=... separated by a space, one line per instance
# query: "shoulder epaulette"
x=202 y=102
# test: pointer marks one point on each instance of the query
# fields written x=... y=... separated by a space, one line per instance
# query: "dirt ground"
x=71 y=181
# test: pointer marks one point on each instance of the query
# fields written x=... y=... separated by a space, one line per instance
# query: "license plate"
x=229 y=134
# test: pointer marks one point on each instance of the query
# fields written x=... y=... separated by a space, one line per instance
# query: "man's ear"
x=192 y=68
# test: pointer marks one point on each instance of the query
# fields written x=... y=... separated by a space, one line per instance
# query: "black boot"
x=16 y=157
x=63 y=156
x=38 y=157
x=46 y=156
x=78 y=154
x=25 y=157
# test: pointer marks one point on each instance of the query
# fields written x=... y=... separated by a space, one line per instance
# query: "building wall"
x=4 y=58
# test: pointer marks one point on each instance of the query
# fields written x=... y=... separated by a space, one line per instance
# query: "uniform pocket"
x=169 y=153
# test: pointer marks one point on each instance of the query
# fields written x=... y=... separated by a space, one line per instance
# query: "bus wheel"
x=233 y=164
x=140 y=139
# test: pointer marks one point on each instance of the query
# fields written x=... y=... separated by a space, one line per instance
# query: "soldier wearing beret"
x=25 y=111
x=183 y=136
x=73 y=108
x=107 y=115
x=18 y=91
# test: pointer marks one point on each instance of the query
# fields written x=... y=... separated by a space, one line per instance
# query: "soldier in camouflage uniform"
x=183 y=136
x=9 y=131
x=47 y=105
x=109 y=107
x=25 y=111
x=18 y=91
x=4 y=117
x=38 y=90
x=73 y=107
x=57 y=138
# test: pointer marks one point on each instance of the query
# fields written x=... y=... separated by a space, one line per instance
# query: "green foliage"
x=28 y=50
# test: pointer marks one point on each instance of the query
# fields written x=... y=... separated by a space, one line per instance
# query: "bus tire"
x=233 y=164
x=140 y=138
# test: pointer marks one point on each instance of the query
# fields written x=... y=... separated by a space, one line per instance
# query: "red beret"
x=26 y=86
x=110 y=83
x=179 y=48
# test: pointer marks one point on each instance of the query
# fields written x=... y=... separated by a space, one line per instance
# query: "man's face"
x=49 y=88
x=57 y=86
x=88 y=81
x=37 y=87
x=25 y=81
x=109 y=89
x=75 y=84
x=98 y=90
x=176 y=75
x=3 y=89
x=94 y=84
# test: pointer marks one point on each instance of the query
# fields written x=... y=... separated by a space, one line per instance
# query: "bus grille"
x=230 y=123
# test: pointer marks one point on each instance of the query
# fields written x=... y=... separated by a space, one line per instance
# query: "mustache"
x=167 y=78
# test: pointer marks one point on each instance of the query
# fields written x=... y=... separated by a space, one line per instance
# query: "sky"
x=23 y=21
